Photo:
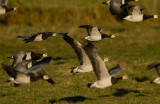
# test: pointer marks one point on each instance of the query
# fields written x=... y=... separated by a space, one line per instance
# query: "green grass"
x=133 y=49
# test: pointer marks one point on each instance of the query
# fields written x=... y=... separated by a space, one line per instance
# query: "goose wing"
x=115 y=6
x=115 y=70
x=91 y=30
x=23 y=66
x=97 y=62
x=134 y=10
x=82 y=56
x=100 y=28
x=39 y=66
x=9 y=70
x=3 y=2
x=18 y=57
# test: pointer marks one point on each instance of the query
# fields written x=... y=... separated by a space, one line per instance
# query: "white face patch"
x=45 y=77
x=45 y=55
x=54 y=34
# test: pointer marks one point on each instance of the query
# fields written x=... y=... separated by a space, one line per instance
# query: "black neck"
x=10 y=9
x=105 y=36
x=114 y=80
x=147 y=16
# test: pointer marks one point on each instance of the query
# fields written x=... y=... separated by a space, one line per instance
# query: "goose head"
x=74 y=70
x=44 y=55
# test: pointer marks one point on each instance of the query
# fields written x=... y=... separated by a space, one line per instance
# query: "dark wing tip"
x=92 y=47
x=89 y=85
x=104 y=3
x=51 y=81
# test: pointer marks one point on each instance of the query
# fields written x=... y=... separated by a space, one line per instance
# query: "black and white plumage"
x=95 y=33
x=3 y=7
x=23 y=73
x=85 y=64
x=135 y=13
x=38 y=36
x=115 y=70
x=155 y=65
x=26 y=55
x=104 y=78
x=115 y=5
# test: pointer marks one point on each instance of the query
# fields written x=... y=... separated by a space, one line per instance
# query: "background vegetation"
x=136 y=46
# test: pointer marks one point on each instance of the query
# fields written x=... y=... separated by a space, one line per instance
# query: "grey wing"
x=39 y=66
x=100 y=28
x=134 y=10
x=25 y=36
x=3 y=2
x=94 y=31
x=115 y=70
x=82 y=56
x=88 y=28
x=18 y=57
x=23 y=66
x=115 y=6
x=9 y=70
x=97 y=62
x=42 y=72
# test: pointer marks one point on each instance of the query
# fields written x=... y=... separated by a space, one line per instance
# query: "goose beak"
x=136 y=0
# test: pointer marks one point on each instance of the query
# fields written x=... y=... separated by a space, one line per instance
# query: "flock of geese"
x=29 y=66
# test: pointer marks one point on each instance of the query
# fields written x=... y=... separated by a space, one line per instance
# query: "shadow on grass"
x=122 y=92
x=73 y=99
x=141 y=79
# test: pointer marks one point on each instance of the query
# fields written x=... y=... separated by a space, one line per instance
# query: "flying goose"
x=95 y=33
x=104 y=79
x=155 y=65
x=23 y=73
x=135 y=14
x=26 y=55
x=85 y=64
x=38 y=36
x=84 y=61
x=115 y=5
x=3 y=7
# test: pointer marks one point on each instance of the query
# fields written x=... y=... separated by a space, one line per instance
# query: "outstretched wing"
x=97 y=62
x=134 y=10
x=115 y=70
x=82 y=56
x=39 y=66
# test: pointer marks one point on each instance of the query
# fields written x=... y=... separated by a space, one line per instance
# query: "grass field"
x=136 y=46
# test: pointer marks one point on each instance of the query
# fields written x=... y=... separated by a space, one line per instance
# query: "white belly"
x=136 y=18
x=22 y=78
x=38 y=38
x=157 y=80
x=2 y=11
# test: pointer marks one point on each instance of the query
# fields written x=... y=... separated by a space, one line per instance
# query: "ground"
x=136 y=45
